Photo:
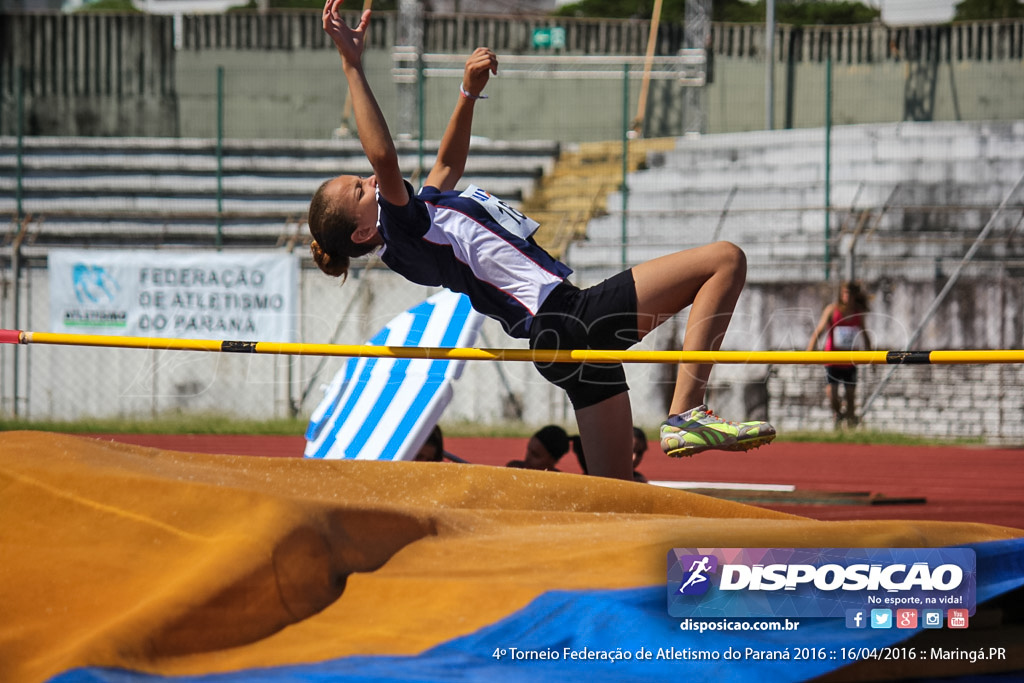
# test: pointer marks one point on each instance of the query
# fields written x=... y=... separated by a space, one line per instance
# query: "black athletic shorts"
x=840 y=374
x=600 y=317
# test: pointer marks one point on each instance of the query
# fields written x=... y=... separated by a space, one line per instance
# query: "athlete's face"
x=357 y=197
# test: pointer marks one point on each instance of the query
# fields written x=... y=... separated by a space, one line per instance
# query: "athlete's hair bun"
x=336 y=266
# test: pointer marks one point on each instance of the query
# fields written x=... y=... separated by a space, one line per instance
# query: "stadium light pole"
x=220 y=157
x=828 y=163
x=624 y=188
x=19 y=93
x=769 y=58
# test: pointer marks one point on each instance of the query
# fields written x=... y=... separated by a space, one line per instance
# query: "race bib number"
x=844 y=337
x=512 y=220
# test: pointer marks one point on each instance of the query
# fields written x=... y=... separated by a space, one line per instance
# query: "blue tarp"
x=609 y=621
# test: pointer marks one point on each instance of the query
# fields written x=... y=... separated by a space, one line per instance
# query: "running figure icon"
x=697 y=570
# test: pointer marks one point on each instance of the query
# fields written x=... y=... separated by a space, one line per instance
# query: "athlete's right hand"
x=349 y=42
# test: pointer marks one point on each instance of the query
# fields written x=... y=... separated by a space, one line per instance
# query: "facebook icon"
x=856 y=618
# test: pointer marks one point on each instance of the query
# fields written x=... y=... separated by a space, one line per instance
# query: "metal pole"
x=220 y=157
x=16 y=303
x=769 y=58
x=828 y=164
x=409 y=38
x=624 y=188
x=696 y=36
x=421 y=107
x=19 y=87
x=22 y=227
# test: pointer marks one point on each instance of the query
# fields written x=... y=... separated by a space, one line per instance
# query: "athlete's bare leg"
x=709 y=280
x=606 y=429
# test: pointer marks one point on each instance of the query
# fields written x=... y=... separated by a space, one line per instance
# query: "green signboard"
x=549 y=37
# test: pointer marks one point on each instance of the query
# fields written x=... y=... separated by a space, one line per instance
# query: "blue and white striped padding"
x=384 y=408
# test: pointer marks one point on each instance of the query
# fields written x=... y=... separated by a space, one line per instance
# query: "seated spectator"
x=433 y=449
x=544 y=449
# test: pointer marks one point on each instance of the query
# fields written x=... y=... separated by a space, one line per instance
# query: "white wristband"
x=465 y=93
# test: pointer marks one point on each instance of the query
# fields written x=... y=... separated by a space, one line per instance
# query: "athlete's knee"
x=731 y=257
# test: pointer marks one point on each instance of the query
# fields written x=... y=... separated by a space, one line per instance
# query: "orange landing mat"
x=183 y=563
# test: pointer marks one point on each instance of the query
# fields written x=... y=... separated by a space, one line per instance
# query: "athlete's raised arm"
x=454 y=148
x=373 y=129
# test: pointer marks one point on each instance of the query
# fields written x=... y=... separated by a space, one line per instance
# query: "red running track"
x=970 y=484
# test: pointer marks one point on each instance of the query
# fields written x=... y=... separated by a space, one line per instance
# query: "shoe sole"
x=735 y=447
x=751 y=444
x=687 y=452
x=693 y=449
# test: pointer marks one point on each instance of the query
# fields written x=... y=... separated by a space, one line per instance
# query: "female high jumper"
x=474 y=243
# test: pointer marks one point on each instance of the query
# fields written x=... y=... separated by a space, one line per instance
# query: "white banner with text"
x=245 y=296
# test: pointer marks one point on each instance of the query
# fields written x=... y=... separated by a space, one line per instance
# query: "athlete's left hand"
x=479 y=67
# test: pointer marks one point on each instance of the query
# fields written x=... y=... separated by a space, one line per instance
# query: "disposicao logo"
x=817 y=582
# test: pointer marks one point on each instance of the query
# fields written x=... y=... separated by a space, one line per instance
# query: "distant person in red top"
x=842 y=324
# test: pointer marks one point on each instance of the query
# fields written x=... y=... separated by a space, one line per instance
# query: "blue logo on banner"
x=93 y=283
x=932 y=618
x=856 y=618
x=881 y=618
x=819 y=582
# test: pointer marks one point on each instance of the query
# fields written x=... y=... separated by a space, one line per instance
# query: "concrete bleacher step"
x=923 y=151
x=777 y=262
x=559 y=185
x=937 y=140
x=714 y=199
x=257 y=166
x=1000 y=174
x=655 y=227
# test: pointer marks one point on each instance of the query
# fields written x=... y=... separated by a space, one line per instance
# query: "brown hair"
x=858 y=297
x=436 y=439
x=332 y=229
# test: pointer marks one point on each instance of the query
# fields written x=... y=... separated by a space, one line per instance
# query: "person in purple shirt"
x=473 y=242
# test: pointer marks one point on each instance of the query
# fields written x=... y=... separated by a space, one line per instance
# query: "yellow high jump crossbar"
x=951 y=357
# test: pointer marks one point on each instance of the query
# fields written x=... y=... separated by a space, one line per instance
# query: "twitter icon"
x=881 y=618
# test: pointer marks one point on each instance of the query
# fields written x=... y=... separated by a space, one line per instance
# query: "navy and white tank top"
x=471 y=242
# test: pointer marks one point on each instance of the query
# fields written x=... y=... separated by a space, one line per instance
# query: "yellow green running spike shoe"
x=699 y=429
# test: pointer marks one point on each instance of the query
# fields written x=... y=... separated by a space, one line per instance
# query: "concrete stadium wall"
x=156 y=76
x=288 y=92
x=67 y=383
x=883 y=92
